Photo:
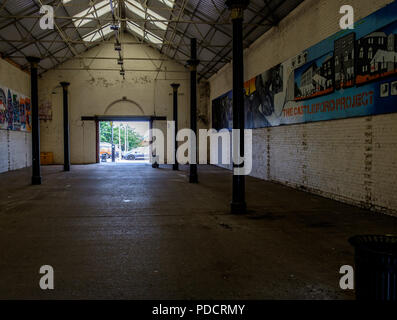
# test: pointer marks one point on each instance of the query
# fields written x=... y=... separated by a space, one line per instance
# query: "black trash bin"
x=375 y=267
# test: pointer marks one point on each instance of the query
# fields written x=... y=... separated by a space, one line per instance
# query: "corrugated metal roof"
x=206 y=20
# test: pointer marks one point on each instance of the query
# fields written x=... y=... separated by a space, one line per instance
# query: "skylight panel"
x=135 y=28
x=135 y=7
x=99 y=9
x=149 y=36
x=168 y=3
x=98 y=33
x=153 y=38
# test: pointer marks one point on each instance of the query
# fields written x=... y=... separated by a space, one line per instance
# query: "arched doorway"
x=116 y=134
x=124 y=106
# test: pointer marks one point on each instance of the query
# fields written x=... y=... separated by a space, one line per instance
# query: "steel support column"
x=193 y=63
x=175 y=87
x=66 y=140
x=36 y=176
x=237 y=7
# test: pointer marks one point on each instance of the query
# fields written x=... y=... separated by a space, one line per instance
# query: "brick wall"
x=351 y=160
x=15 y=146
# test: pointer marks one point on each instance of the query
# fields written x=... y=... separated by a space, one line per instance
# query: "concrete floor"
x=130 y=231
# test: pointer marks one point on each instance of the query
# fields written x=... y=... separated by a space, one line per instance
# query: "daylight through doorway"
x=124 y=141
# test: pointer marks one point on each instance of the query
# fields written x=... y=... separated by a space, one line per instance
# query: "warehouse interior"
x=320 y=105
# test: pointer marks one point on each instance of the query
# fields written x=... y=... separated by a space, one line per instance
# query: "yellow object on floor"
x=46 y=158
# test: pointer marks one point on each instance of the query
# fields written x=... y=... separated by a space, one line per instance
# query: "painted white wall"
x=91 y=92
x=15 y=146
x=352 y=160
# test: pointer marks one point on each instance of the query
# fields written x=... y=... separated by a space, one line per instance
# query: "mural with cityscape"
x=14 y=110
x=352 y=73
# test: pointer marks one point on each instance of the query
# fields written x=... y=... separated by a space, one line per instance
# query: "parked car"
x=137 y=154
x=105 y=148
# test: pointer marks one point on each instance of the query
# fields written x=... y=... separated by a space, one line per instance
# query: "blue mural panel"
x=352 y=73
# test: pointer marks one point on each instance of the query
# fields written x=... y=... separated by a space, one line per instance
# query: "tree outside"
x=134 y=139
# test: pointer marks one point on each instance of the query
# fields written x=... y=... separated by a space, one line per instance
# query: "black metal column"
x=175 y=87
x=36 y=176
x=193 y=62
x=237 y=7
x=66 y=140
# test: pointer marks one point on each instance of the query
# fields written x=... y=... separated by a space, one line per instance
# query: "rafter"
x=183 y=20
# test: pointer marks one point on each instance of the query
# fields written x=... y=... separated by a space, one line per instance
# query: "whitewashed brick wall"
x=351 y=160
x=15 y=150
x=3 y=151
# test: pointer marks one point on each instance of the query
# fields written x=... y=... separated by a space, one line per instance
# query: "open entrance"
x=123 y=141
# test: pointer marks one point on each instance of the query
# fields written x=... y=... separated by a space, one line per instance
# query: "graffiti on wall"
x=15 y=112
x=352 y=73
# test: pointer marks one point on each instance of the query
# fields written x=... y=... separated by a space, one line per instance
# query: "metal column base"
x=238 y=207
x=193 y=179
x=36 y=180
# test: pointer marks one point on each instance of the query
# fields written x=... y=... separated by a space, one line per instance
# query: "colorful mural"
x=352 y=73
x=15 y=113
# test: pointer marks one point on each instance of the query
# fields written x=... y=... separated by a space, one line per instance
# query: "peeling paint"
x=107 y=83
